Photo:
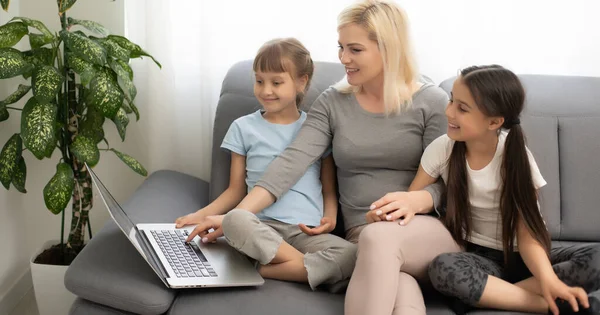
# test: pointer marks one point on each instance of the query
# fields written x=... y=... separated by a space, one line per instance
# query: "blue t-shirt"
x=261 y=141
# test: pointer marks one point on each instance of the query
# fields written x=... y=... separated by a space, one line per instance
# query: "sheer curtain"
x=198 y=40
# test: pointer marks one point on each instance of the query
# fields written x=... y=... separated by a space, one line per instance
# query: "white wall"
x=24 y=221
x=198 y=41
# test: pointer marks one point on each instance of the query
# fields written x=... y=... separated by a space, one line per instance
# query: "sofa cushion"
x=111 y=272
x=84 y=307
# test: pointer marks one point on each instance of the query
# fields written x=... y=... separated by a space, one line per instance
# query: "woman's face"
x=360 y=55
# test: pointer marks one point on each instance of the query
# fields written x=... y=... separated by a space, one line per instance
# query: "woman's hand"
x=553 y=288
x=399 y=205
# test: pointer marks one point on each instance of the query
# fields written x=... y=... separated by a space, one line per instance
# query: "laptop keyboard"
x=185 y=259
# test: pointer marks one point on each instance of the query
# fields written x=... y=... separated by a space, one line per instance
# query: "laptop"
x=177 y=263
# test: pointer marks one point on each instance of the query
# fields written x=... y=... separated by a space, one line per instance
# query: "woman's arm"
x=311 y=142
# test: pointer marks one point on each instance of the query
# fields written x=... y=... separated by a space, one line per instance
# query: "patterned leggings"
x=464 y=275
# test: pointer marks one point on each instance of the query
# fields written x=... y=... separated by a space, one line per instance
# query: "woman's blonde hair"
x=387 y=24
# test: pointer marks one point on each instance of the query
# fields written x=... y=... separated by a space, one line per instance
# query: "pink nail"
x=389 y=217
x=378 y=212
x=372 y=207
x=205 y=240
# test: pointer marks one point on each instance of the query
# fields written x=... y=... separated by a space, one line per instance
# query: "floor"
x=27 y=306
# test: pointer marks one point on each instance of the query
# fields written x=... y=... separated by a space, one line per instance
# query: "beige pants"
x=391 y=258
x=328 y=259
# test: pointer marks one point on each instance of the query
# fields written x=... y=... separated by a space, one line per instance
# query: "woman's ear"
x=496 y=123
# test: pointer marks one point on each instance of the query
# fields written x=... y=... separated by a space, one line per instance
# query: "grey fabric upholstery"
x=561 y=120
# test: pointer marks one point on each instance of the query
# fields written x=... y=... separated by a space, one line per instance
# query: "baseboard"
x=11 y=299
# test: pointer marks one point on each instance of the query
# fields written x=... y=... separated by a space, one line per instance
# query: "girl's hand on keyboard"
x=190 y=219
x=202 y=229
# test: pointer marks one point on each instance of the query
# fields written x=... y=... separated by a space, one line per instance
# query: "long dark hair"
x=498 y=93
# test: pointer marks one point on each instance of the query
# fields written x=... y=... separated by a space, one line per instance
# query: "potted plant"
x=76 y=79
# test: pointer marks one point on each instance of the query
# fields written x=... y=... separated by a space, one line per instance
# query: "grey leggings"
x=464 y=275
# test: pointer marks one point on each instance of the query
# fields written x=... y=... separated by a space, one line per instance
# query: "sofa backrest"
x=562 y=125
x=237 y=99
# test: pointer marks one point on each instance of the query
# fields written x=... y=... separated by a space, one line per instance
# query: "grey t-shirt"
x=374 y=153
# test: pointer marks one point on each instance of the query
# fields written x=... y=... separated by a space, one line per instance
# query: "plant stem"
x=62 y=238
x=14 y=108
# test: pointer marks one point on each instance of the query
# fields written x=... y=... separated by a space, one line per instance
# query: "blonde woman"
x=377 y=121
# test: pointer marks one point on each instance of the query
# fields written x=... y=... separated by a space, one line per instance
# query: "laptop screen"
x=115 y=210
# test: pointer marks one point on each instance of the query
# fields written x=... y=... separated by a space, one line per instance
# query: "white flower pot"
x=49 y=286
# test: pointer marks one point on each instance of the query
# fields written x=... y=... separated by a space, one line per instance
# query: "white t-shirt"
x=485 y=187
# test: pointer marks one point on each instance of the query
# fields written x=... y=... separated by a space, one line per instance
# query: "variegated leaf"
x=65 y=5
x=121 y=121
x=5 y=4
x=12 y=63
x=90 y=25
x=39 y=57
x=38 y=127
x=92 y=125
x=37 y=25
x=125 y=83
x=20 y=176
x=136 y=50
x=86 y=70
x=125 y=106
x=4 y=115
x=84 y=47
x=113 y=49
x=104 y=93
x=126 y=67
x=38 y=40
x=131 y=162
x=46 y=83
x=85 y=150
x=11 y=152
x=21 y=91
x=59 y=190
x=11 y=33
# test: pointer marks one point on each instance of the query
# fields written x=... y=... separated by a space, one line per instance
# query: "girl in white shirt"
x=492 y=208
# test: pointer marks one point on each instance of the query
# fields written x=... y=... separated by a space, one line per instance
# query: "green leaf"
x=104 y=93
x=37 y=25
x=12 y=63
x=65 y=5
x=38 y=40
x=20 y=175
x=84 y=47
x=121 y=121
x=4 y=114
x=125 y=106
x=21 y=91
x=39 y=57
x=11 y=152
x=91 y=126
x=86 y=70
x=85 y=150
x=113 y=49
x=90 y=25
x=11 y=33
x=131 y=162
x=125 y=83
x=136 y=50
x=59 y=189
x=126 y=67
x=135 y=110
x=46 y=83
x=38 y=127
x=5 y=4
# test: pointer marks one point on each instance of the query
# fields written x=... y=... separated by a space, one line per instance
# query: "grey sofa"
x=562 y=123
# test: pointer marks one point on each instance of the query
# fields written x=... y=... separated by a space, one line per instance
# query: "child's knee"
x=237 y=226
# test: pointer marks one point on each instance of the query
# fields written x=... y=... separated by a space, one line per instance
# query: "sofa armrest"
x=110 y=271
